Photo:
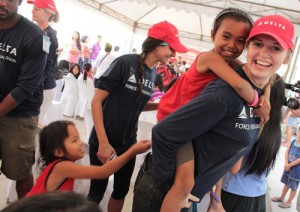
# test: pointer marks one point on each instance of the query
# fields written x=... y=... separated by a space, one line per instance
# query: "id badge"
x=46 y=43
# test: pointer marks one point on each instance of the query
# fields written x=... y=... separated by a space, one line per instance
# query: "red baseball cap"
x=276 y=26
x=168 y=33
x=47 y=4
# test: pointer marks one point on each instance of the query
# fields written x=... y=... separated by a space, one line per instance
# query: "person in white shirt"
x=103 y=61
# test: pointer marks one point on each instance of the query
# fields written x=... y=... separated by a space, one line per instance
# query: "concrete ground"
x=274 y=184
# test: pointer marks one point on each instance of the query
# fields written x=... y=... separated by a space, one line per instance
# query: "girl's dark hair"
x=159 y=82
x=63 y=64
x=55 y=201
x=170 y=84
x=83 y=39
x=148 y=46
x=51 y=138
x=86 y=68
x=72 y=67
x=78 y=44
x=264 y=151
x=231 y=13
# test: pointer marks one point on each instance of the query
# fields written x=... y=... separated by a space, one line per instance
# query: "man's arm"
x=7 y=105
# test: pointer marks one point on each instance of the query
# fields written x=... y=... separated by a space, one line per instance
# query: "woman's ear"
x=212 y=35
x=287 y=59
x=59 y=152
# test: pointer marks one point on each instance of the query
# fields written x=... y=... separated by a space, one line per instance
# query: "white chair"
x=54 y=112
x=85 y=92
x=70 y=96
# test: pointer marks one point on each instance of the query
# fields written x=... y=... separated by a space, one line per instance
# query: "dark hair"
x=55 y=201
x=170 y=84
x=116 y=48
x=78 y=44
x=51 y=138
x=62 y=69
x=72 y=67
x=63 y=64
x=231 y=13
x=159 y=82
x=264 y=151
x=83 y=39
x=86 y=68
x=148 y=46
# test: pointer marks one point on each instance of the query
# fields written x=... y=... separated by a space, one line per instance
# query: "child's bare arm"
x=214 y=62
x=69 y=169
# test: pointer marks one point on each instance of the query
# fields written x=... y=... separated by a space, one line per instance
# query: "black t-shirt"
x=22 y=63
x=51 y=64
x=221 y=126
x=122 y=107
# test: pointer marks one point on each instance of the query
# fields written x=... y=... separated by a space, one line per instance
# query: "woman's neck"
x=43 y=25
x=260 y=83
x=150 y=60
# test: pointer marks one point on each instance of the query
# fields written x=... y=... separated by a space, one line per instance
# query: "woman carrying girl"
x=60 y=146
x=230 y=31
x=217 y=121
x=121 y=94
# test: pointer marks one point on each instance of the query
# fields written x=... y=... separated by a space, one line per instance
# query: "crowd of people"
x=219 y=120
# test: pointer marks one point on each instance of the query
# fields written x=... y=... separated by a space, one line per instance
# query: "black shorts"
x=236 y=203
x=121 y=179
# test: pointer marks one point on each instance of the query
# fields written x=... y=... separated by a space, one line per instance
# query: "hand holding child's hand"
x=104 y=153
x=188 y=201
x=141 y=146
x=264 y=110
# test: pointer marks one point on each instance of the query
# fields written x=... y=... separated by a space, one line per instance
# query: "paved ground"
x=274 y=184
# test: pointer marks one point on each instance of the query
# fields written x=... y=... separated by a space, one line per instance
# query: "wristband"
x=255 y=101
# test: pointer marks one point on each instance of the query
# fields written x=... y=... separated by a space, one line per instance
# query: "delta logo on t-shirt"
x=132 y=79
x=246 y=113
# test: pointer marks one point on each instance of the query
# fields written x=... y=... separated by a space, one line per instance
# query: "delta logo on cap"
x=167 y=32
x=276 y=26
x=47 y=4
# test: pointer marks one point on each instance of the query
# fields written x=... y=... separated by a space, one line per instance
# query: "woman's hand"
x=105 y=151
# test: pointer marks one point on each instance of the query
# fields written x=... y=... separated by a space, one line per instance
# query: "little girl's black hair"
x=51 y=138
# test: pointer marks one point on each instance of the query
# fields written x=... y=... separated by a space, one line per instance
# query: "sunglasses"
x=166 y=44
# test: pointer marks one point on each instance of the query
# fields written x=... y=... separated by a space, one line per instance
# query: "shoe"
x=276 y=199
x=284 y=205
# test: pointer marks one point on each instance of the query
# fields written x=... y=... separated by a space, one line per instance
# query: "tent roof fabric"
x=193 y=18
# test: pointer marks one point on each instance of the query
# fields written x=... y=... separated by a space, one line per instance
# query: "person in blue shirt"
x=246 y=189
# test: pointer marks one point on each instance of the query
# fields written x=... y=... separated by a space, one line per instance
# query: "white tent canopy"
x=192 y=17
